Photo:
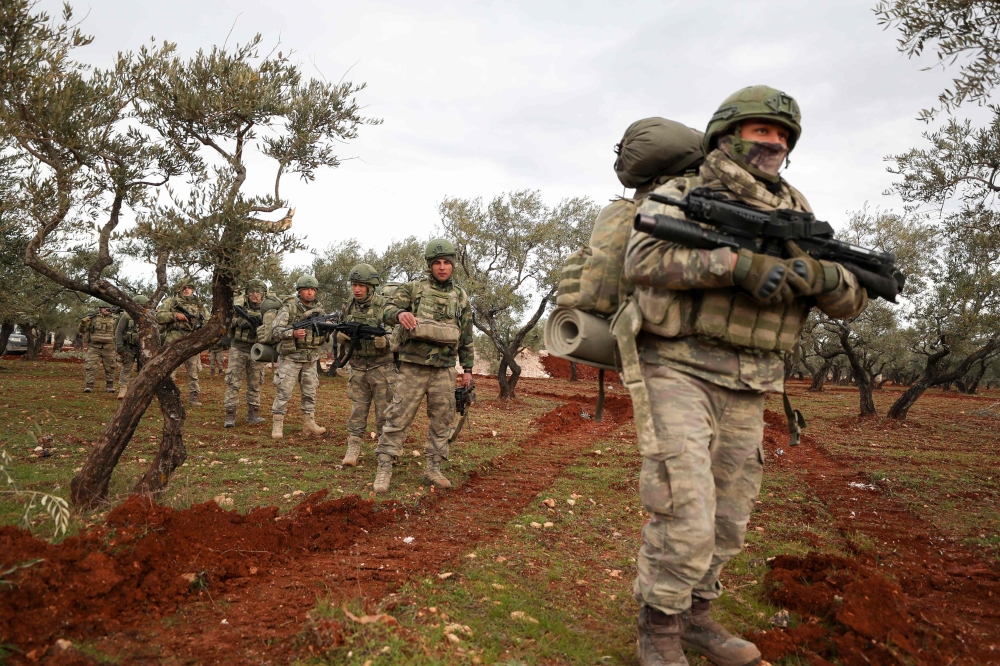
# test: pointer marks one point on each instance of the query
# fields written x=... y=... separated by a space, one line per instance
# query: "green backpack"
x=652 y=151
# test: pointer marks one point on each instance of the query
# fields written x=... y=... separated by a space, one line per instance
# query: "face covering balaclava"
x=762 y=160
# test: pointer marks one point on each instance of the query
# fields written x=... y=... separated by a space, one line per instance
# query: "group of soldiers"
x=709 y=331
x=431 y=328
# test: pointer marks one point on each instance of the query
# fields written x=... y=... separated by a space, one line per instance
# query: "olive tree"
x=95 y=151
x=509 y=252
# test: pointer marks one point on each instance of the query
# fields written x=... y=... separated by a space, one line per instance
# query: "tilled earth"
x=908 y=595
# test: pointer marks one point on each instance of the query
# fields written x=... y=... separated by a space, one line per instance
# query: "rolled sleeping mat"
x=263 y=353
x=581 y=337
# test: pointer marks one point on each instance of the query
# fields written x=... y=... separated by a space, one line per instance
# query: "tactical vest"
x=729 y=315
x=241 y=330
x=296 y=312
x=130 y=336
x=440 y=310
x=192 y=305
x=102 y=329
x=372 y=317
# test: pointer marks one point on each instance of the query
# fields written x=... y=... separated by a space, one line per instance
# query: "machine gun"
x=464 y=397
x=256 y=321
x=331 y=324
x=741 y=227
x=113 y=309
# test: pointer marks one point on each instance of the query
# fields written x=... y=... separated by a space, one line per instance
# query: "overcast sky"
x=483 y=98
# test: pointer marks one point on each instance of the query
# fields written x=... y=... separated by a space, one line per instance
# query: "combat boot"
x=88 y=388
x=309 y=426
x=253 y=417
x=659 y=639
x=702 y=634
x=277 y=426
x=384 y=474
x=230 y=418
x=121 y=392
x=109 y=387
x=353 y=451
x=193 y=400
x=432 y=472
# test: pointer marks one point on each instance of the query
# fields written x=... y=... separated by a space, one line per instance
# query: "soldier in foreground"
x=177 y=316
x=127 y=346
x=715 y=327
x=242 y=336
x=299 y=349
x=98 y=332
x=372 y=371
x=435 y=327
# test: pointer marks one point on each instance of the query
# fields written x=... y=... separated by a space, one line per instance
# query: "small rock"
x=416 y=454
x=571 y=502
x=408 y=539
x=264 y=489
x=597 y=452
x=453 y=638
x=287 y=496
x=780 y=619
x=548 y=525
x=521 y=616
x=494 y=433
x=224 y=621
x=537 y=526
x=497 y=586
x=298 y=493
x=64 y=644
x=446 y=575
x=551 y=503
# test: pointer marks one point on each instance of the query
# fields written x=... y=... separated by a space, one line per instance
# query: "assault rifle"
x=114 y=309
x=254 y=320
x=740 y=226
x=197 y=321
x=331 y=324
x=464 y=397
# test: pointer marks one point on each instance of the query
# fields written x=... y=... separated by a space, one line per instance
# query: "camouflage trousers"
x=128 y=359
x=289 y=373
x=217 y=359
x=240 y=368
x=414 y=382
x=191 y=366
x=699 y=481
x=364 y=387
x=99 y=353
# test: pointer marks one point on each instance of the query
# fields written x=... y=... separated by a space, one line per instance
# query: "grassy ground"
x=539 y=594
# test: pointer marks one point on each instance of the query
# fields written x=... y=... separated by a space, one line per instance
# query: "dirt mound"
x=849 y=612
x=151 y=558
x=559 y=368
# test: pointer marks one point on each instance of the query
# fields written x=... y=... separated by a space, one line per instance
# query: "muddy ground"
x=894 y=584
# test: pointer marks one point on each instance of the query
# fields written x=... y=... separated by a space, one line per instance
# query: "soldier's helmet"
x=763 y=102
x=182 y=283
x=438 y=248
x=364 y=274
x=306 y=282
x=255 y=285
x=141 y=300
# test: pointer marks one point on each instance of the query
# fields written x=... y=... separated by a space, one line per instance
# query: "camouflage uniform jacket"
x=301 y=350
x=126 y=333
x=99 y=329
x=171 y=327
x=368 y=311
x=416 y=297
x=739 y=345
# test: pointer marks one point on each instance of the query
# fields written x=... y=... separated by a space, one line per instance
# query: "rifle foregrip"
x=876 y=284
x=682 y=232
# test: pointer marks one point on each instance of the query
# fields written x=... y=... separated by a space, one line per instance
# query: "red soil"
x=914 y=597
x=270 y=569
x=559 y=369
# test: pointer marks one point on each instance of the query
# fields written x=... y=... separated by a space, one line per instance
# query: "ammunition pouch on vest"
x=438 y=332
x=437 y=315
x=102 y=329
x=728 y=315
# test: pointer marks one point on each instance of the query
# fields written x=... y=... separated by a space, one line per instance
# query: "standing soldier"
x=127 y=346
x=98 y=332
x=217 y=355
x=298 y=352
x=436 y=326
x=715 y=328
x=178 y=316
x=373 y=374
x=243 y=335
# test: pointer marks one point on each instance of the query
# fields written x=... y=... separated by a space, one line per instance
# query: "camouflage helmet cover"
x=182 y=283
x=762 y=102
x=306 y=282
x=364 y=274
x=438 y=248
x=255 y=285
x=141 y=300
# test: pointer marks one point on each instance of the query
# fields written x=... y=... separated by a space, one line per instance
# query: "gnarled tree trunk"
x=6 y=329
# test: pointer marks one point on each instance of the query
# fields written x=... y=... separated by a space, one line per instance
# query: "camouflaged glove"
x=764 y=276
x=806 y=276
